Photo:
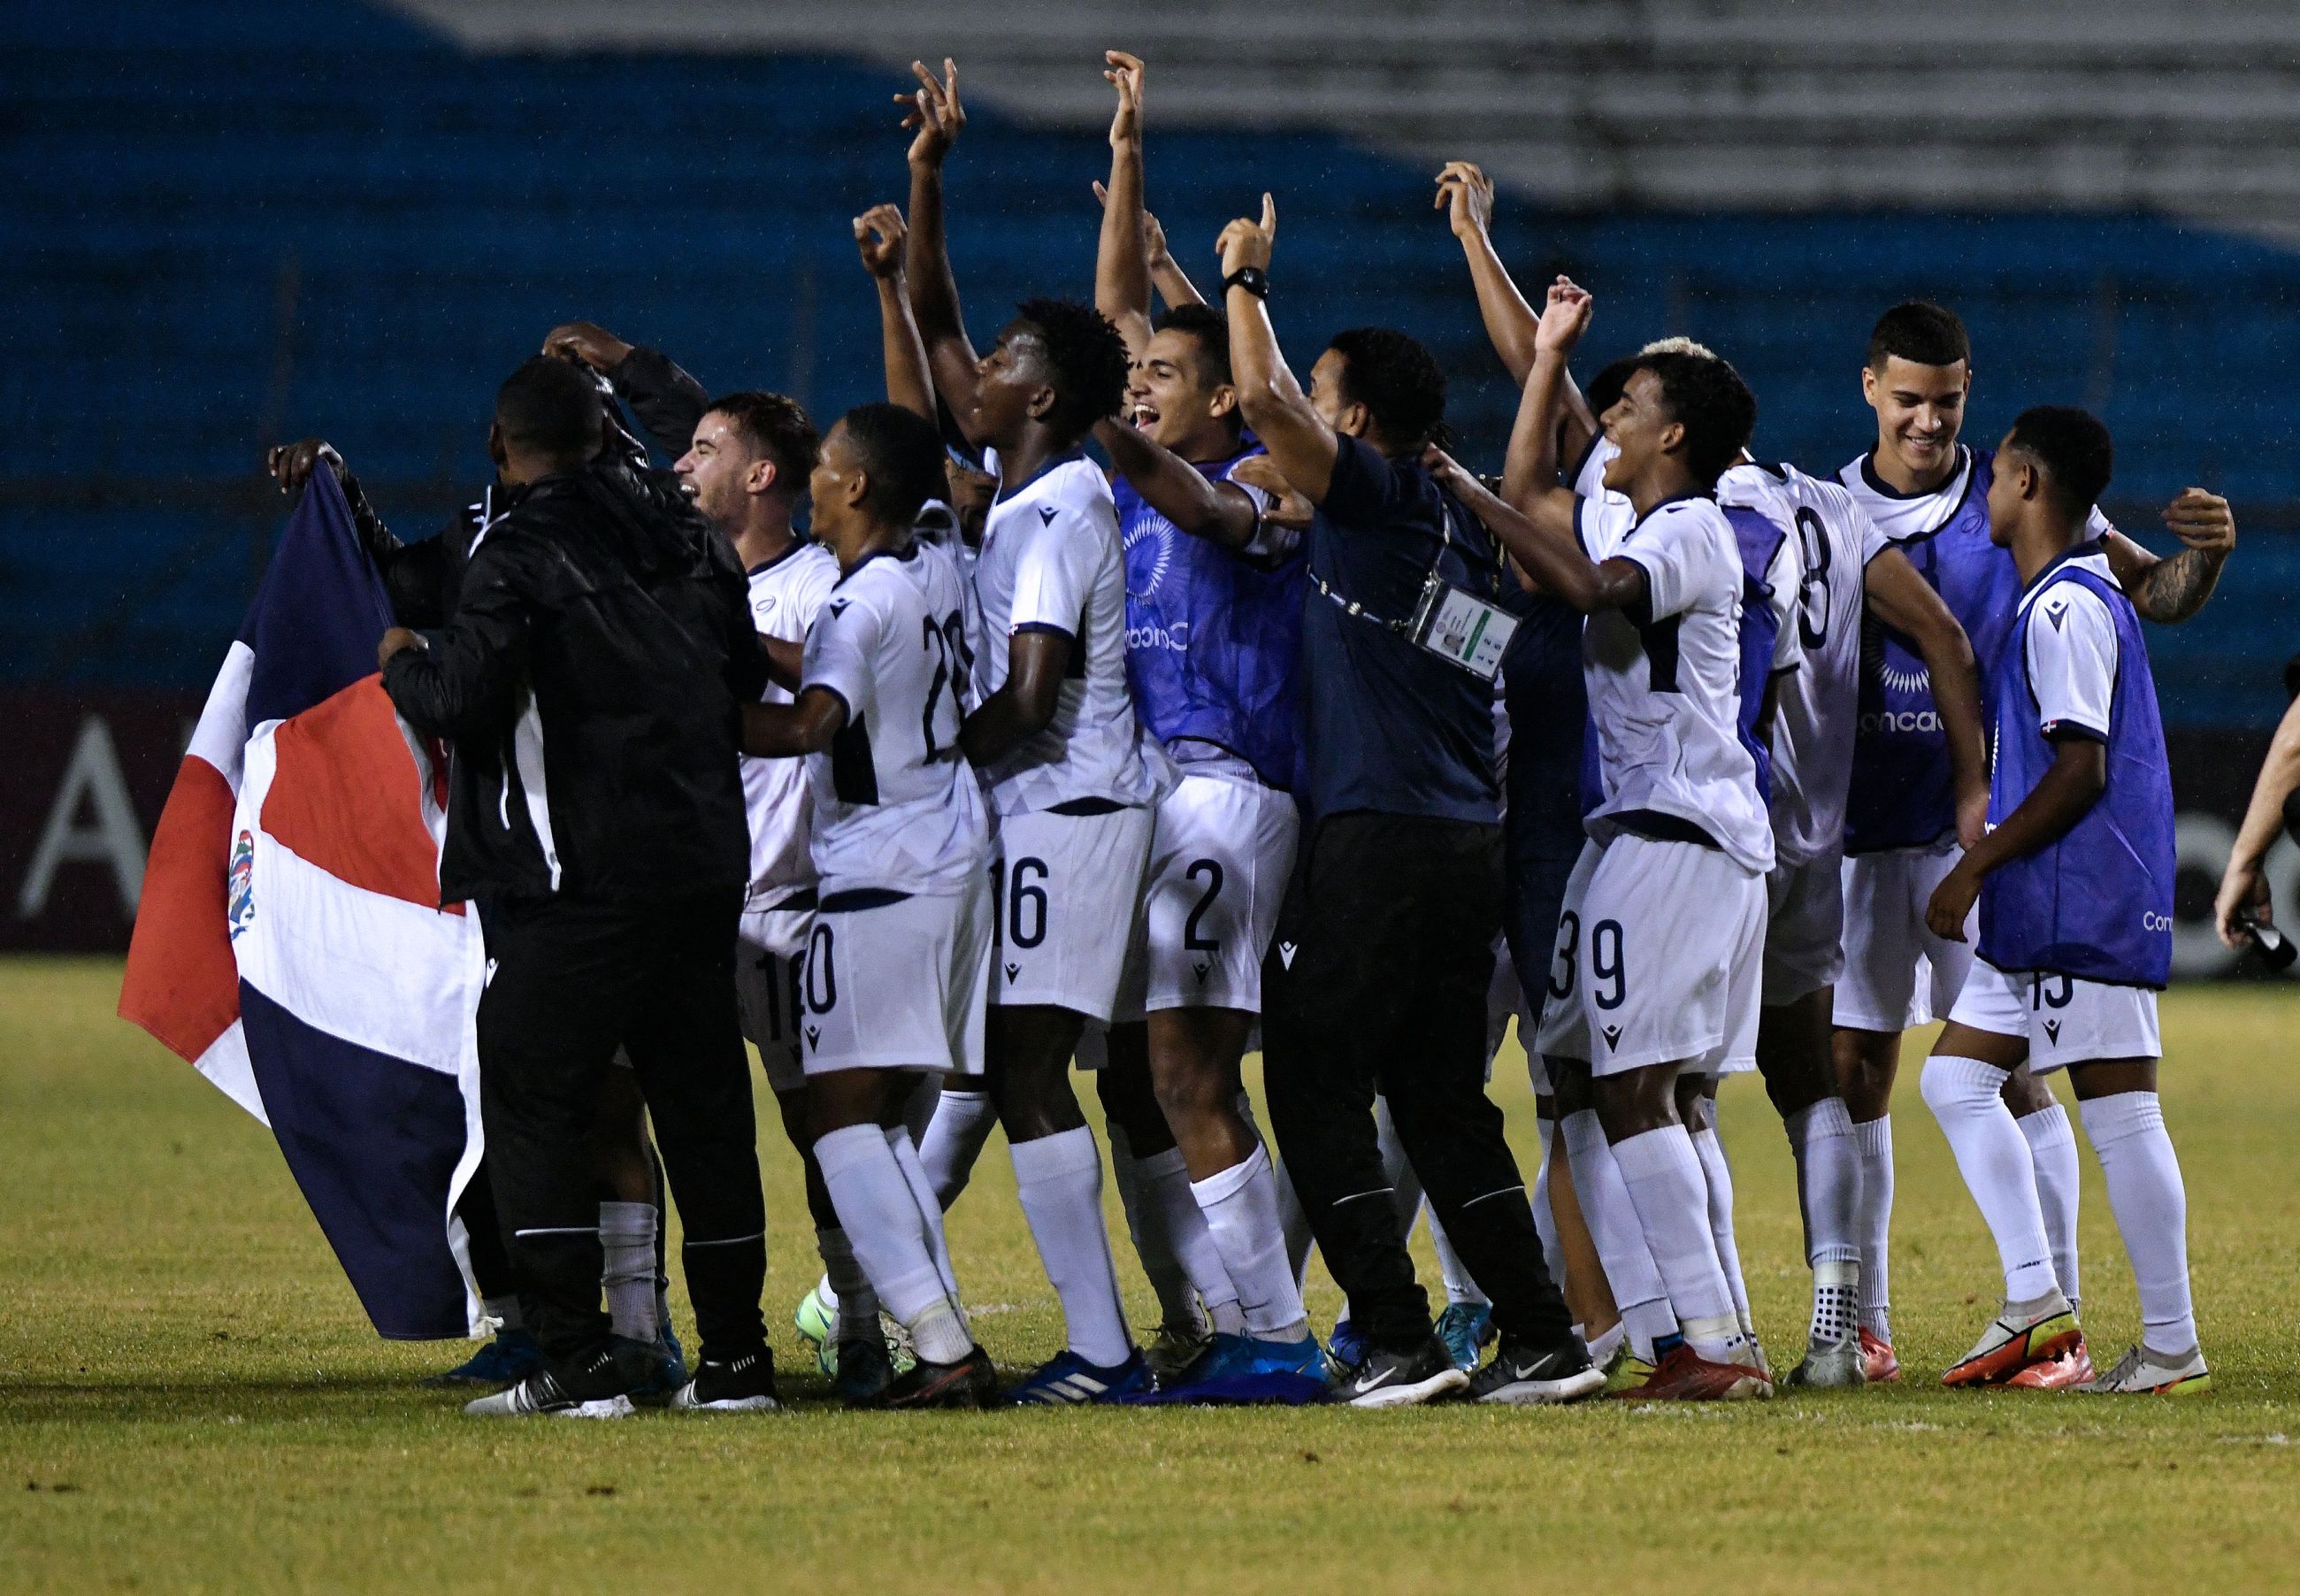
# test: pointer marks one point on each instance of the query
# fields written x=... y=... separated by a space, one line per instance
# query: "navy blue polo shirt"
x=1391 y=728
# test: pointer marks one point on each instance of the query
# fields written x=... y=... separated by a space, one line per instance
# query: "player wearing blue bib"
x=1929 y=495
x=1213 y=608
x=2075 y=885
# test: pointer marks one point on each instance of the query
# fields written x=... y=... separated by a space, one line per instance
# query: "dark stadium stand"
x=223 y=230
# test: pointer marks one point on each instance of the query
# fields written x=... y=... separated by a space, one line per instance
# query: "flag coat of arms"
x=290 y=942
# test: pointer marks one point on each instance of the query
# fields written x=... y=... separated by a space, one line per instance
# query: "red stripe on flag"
x=345 y=796
x=182 y=984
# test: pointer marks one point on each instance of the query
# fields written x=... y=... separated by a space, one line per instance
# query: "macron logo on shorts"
x=1013 y=972
x=1285 y=953
x=1612 y=1035
x=814 y=1037
x=2053 y=1031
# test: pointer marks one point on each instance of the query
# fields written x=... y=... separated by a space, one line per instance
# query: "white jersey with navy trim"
x=896 y=807
x=1051 y=561
x=1604 y=516
x=1817 y=710
x=1664 y=688
x=786 y=593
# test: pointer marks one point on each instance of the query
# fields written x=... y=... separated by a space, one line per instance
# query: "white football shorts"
x=1220 y=851
x=1804 y=928
x=1564 y=1029
x=1066 y=887
x=769 y=949
x=2066 y=1020
x=898 y=985
x=1897 y=974
x=1669 y=956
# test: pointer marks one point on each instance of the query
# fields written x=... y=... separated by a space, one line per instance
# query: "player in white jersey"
x=898 y=956
x=1928 y=493
x=1848 y=569
x=1664 y=964
x=1074 y=782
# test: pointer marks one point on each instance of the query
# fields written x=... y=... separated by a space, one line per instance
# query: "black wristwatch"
x=1253 y=279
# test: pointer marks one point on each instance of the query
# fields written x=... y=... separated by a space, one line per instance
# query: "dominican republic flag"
x=290 y=944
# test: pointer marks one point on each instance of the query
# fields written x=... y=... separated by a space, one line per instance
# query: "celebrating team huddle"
x=1287 y=731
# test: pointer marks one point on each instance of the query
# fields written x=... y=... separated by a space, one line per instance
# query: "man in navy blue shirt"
x=1376 y=983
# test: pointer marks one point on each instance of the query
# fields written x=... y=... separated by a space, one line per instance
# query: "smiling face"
x=1013 y=386
x=1919 y=411
x=721 y=470
x=1638 y=424
x=1172 y=397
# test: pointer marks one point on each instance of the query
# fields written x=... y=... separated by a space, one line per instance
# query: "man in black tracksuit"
x=588 y=679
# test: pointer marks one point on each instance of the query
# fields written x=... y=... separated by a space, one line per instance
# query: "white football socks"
x=1397 y=1170
x=1873 y=1225
x=1459 y=1286
x=850 y=1295
x=1291 y=1219
x=1240 y=1213
x=504 y=1311
x=1618 y=1233
x=1177 y=1254
x=887 y=1228
x=2052 y=1158
x=961 y=1123
x=1059 y=1179
x=2151 y=1205
x=1717 y=1175
x=928 y=1201
x=627 y=1243
x=1966 y=1096
x=1663 y=1176
x=1828 y=1197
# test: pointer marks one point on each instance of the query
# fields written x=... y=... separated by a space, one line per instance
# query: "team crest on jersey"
x=241 y=894
x=1145 y=528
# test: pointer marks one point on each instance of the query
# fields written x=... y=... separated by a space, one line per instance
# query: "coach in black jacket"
x=588 y=679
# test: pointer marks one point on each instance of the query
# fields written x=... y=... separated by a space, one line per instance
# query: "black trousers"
x=573 y=980
x=1376 y=984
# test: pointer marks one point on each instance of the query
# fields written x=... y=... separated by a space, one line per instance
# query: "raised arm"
x=1530 y=481
x=1466 y=195
x=665 y=399
x=936 y=112
x=1551 y=557
x=879 y=234
x=1222 y=512
x=2244 y=886
x=1121 y=262
x=1298 y=439
x=2169 y=591
x=1906 y=602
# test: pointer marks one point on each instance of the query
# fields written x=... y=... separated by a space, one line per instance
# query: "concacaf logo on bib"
x=1156 y=526
x=1877 y=668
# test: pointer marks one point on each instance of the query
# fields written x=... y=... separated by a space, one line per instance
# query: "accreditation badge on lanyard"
x=1455 y=624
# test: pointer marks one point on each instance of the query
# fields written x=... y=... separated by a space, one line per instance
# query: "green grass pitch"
x=190 y=1399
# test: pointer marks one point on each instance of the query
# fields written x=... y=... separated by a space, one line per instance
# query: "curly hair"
x=1087 y=359
x=1399 y=382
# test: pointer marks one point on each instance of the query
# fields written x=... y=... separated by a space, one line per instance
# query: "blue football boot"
x=1066 y=1379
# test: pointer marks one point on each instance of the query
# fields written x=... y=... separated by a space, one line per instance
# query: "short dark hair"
x=778 y=428
x=2073 y=448
x=1399 y=382
x=1707 y=395
x=1089 y=359
x=551 y=407
x=1211 y=328
x=1604 y=390
x=1920 y=331
x=903 y=453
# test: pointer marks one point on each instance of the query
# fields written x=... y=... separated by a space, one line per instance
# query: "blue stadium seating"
x=227 y=226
